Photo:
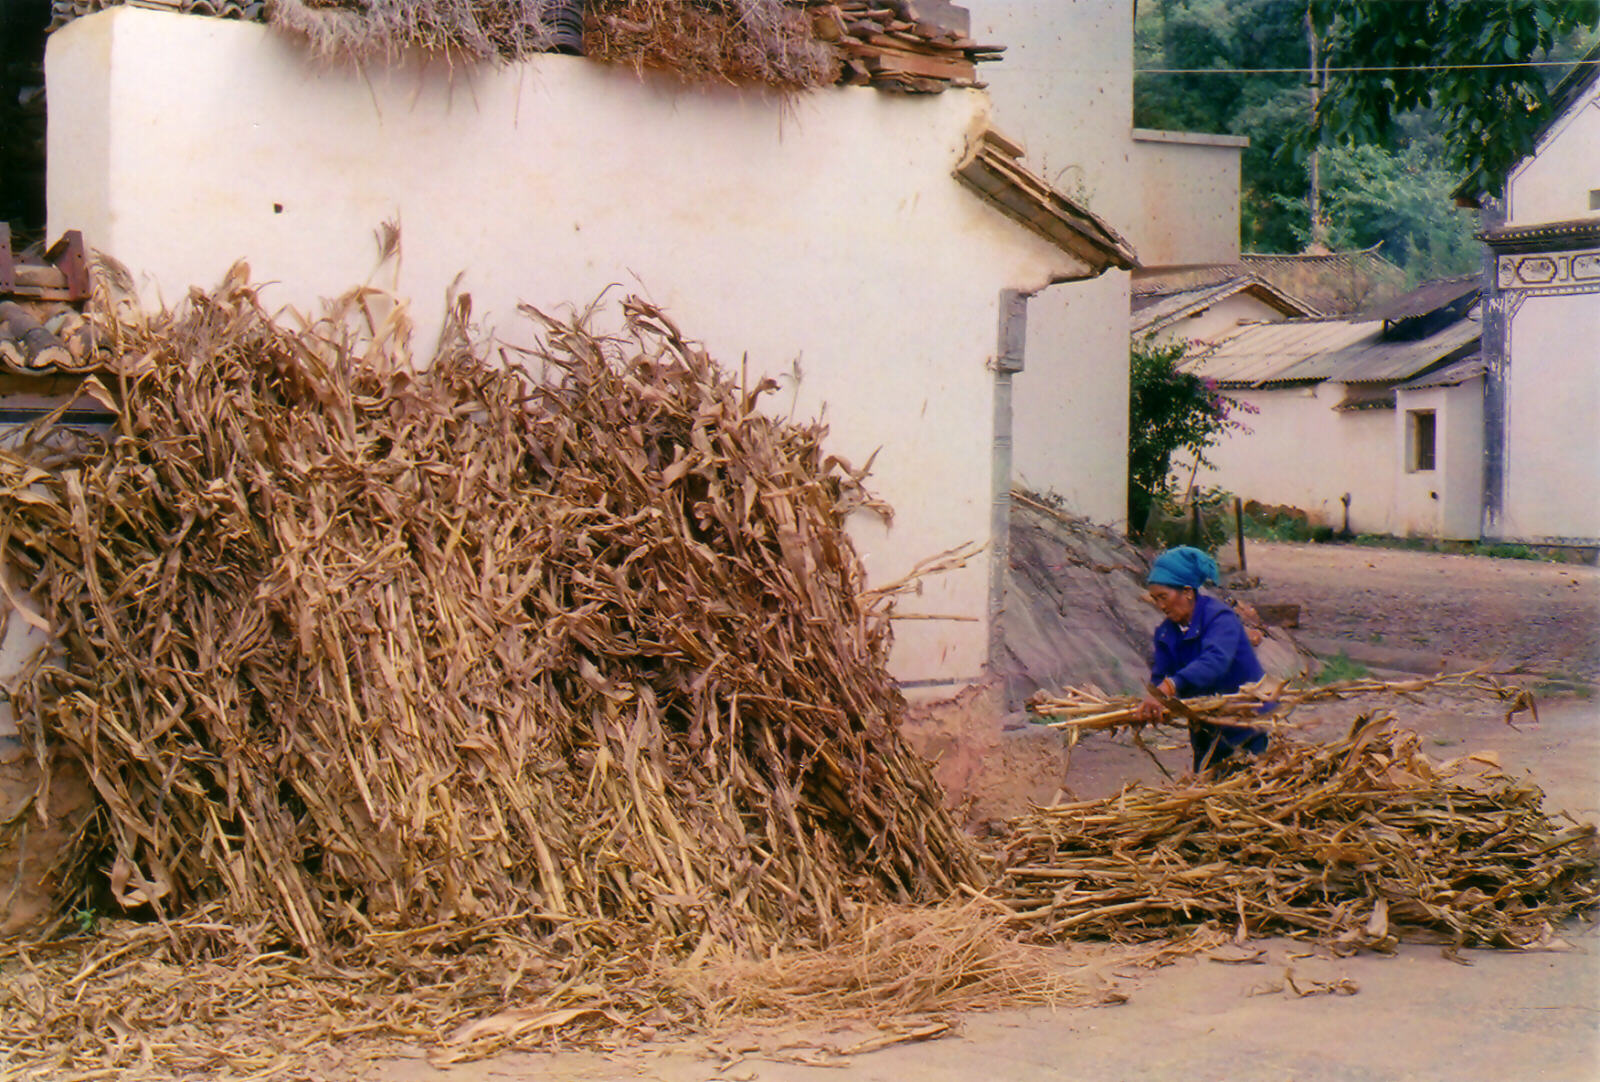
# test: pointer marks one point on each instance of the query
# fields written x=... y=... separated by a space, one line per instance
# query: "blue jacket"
x=1212 y=657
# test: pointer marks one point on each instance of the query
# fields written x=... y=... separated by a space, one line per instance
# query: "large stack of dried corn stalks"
x=1361 y=842
x=366 y=659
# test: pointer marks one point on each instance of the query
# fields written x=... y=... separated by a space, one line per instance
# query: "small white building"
x=1368 y=424
x=1542 y=330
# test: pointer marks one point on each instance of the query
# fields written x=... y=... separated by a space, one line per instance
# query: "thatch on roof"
x=739 y=41
x=745 y=41
x=909 y=46
x=481 y=29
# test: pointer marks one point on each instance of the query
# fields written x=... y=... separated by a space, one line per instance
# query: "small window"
x=1421 y=435
x=1594 y=198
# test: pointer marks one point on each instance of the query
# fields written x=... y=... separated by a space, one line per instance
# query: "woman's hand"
x=1151 y=709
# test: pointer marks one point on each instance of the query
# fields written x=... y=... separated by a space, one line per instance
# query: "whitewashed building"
x=1370 y=424
x=1542 y=330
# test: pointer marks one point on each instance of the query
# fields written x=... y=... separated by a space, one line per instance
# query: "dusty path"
x=1418 y=1017
x=1542 y=617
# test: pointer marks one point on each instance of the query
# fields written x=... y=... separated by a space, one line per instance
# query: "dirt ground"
x=1410 y=608
x=1417 y=1016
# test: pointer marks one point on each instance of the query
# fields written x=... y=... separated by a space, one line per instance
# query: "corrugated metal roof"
x=1310 y=351
x=1262 y=352
x=1151 y=310
x=1377 y=361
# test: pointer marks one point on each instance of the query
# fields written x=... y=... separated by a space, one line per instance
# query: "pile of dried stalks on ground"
x=467 y=684
x=1362 y=842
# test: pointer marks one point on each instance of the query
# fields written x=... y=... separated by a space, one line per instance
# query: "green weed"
x=1339 y=668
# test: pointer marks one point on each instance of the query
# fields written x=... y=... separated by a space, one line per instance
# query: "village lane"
x=1394 y=608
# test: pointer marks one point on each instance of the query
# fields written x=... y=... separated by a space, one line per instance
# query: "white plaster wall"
x=1553 y=441
x=824 y=236
x=1554 y=184
x=1070 y=405
x=1302 y=452
x=1224 y=317
x=1189 y=198
x=1065 y=91
x=1446 y=501
x=1462 y=435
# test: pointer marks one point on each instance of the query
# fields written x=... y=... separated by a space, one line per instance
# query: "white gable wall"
x=1065 y=91
x=1552 y=451
x=824 y=237
x=1553 y=185
x=1188 y=184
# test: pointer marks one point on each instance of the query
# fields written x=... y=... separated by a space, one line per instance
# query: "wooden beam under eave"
x=992 y=169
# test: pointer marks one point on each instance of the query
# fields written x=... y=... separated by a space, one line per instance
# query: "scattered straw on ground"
x=1363 y=842
x=890 y=962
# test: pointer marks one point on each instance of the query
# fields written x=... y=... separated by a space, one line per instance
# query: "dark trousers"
x=1214 y=743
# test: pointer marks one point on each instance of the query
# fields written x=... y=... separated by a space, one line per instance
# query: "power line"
x=1412 y=67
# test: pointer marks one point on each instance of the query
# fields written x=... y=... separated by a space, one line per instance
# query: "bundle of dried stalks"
x=377 y=662
x=891 y=962
x=1362 y=842
x=1087 y=709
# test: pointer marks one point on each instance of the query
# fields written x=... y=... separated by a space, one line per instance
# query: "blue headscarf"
x=1182 y=566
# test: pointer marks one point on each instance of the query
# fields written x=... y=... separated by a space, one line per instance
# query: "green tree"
x=1475 y=120
x=1399 y=198
x=1169 y=410
x=1470 y=62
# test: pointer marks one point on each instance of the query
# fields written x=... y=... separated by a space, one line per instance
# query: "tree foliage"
x=1398 y=198
x=1169 y=411
x=1460 y=59
x=1470 y=121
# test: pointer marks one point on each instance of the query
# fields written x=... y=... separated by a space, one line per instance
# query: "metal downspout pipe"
x=1008 y=361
